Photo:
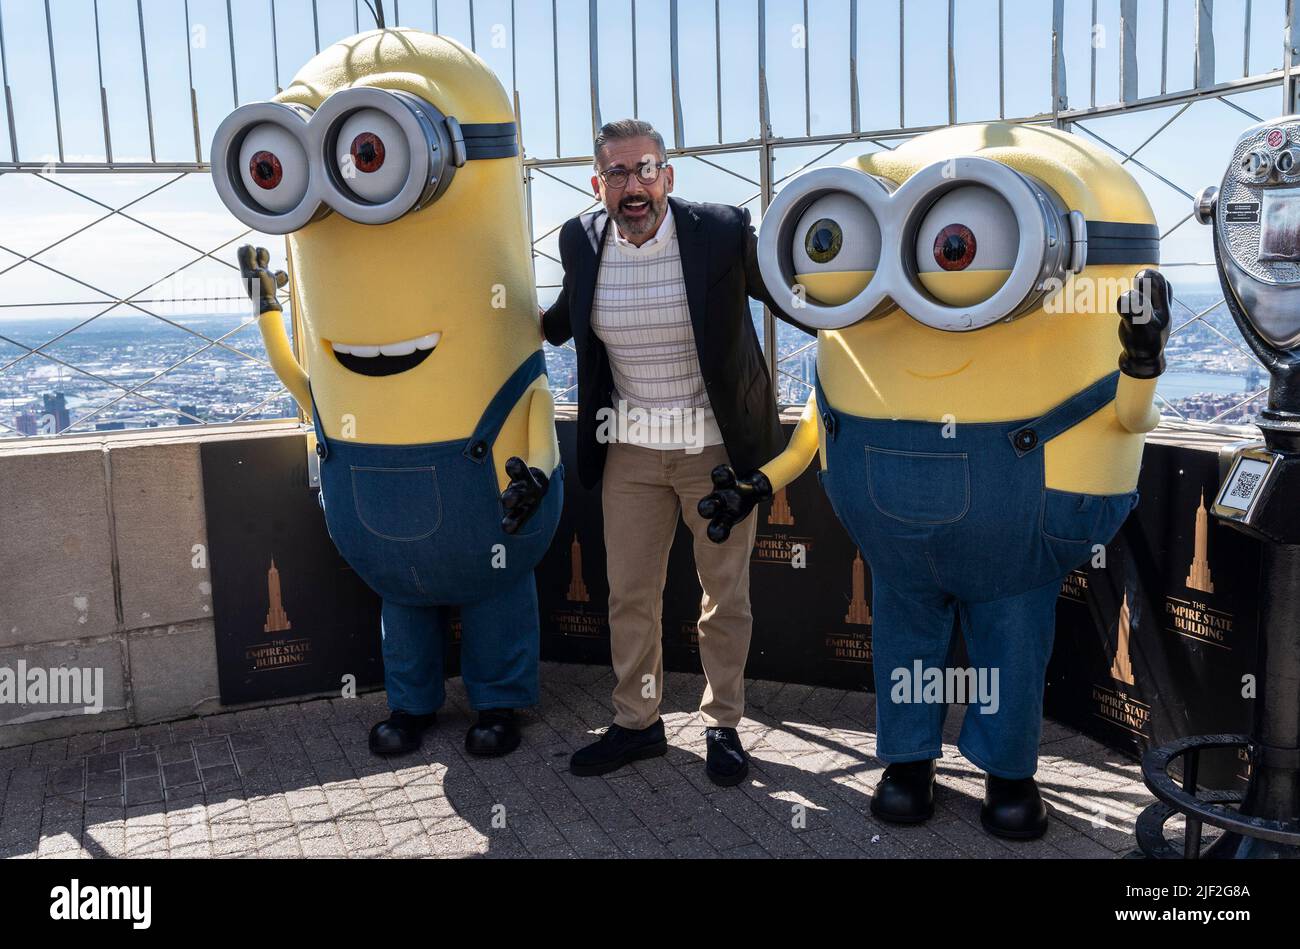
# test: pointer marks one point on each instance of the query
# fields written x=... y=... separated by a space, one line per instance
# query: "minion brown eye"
x=823 y=241
x=265 y=170
x=368 y=152
x=954 y=248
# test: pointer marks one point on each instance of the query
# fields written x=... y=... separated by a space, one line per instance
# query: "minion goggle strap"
x=371 y=154
x=962 y=244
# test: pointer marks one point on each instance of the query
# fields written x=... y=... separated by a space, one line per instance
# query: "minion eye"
x=966 y=245
x=373 y=155
x=836 y=248
x=273 y=166
x=824 y=240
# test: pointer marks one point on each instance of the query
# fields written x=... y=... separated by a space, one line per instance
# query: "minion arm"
x=788 y=465
x=261 y=285
x=1135 y=405
x=282 y=359
x=543 y=450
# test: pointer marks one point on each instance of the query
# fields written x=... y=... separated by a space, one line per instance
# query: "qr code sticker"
x=1247 y=481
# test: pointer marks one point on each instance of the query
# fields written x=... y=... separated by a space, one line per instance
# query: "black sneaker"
x=727 y=763
x=495 y=733
x=400 y=732
x=617 y=747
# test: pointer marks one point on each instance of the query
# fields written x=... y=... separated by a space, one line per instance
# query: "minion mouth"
x=387 y=359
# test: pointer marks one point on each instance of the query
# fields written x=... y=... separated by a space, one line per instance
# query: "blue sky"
x=33 y=214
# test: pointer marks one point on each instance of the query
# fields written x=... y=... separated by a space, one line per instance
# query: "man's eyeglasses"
x=647 y=173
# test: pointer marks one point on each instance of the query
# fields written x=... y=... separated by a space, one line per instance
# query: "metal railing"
x=768 y=150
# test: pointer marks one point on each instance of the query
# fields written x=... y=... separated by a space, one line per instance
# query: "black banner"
x=291 y=616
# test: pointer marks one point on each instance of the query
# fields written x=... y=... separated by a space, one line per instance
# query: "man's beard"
x=647 y=224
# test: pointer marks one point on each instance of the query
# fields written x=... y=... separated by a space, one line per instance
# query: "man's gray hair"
x=624 y=129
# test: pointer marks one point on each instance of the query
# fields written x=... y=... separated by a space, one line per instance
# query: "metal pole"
x=855 y=107
x=593 y=65
x=674 y=65
x=9 y=98
x=103 y=92
x=766 y=158
x=144 y=70
x=54 y=79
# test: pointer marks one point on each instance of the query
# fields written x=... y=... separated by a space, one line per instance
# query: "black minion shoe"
x=1013 y=808
x=400 y=733
x=495 y=733
x=905 y=794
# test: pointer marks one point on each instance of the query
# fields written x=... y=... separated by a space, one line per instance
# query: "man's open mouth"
x=387 y=359
x=635 y=207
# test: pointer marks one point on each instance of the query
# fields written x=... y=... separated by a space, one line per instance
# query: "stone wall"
x=103 y=567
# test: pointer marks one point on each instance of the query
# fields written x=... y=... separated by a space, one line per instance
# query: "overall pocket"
x=919 y=487
x=400 y=504
x=1071 y=517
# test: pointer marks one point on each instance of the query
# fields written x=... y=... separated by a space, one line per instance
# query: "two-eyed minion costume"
x=975 y=437
x=392 y=165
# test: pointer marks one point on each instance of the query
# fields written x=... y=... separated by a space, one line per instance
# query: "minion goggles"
x=1053 y=242
x=280 y=166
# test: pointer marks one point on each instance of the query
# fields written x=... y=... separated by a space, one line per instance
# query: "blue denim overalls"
x=421 y=525
x=964 y=524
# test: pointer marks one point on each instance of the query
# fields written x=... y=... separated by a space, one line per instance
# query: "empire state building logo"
x=859 y=613
x=577 y=586
x=1199 y=576
x=780 y=513
x=277 y=621
x=1121 y=669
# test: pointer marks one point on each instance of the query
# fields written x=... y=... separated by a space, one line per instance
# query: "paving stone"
x=144 y=790
x=179 y=774
x=141 y=765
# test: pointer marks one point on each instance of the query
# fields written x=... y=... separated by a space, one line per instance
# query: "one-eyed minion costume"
x=975 y=437
x=391 y=163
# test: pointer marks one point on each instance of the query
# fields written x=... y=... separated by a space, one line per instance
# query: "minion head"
x=964 y=251
x=391 y=164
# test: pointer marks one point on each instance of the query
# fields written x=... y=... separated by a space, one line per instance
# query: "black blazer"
x=720 y=269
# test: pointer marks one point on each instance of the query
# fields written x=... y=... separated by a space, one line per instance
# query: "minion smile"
x=385 y=359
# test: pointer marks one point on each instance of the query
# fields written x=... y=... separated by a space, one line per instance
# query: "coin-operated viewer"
x=975 y=435
x=392 y=165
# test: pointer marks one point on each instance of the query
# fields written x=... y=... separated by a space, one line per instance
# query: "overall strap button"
x=1026 y=439
x=478 y=449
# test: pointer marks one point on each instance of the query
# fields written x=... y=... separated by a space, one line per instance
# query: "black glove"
x=260 y=283
x=1144 y=325
x=523 y=495
x=732 y=500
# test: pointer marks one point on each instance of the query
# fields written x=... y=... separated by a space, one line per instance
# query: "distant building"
x=57 y=406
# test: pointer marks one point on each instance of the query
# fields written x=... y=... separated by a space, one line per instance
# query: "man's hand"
x=1144 y=325
x=523 y=495
x=259 y=282
x=732 y=500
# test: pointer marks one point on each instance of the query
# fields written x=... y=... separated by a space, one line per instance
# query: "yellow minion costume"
x=975 y=437
x=391 y=163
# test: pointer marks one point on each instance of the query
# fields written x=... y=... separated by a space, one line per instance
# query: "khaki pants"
x=643 y=492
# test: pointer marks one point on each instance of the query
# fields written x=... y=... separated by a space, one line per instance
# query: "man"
x=655 y=298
